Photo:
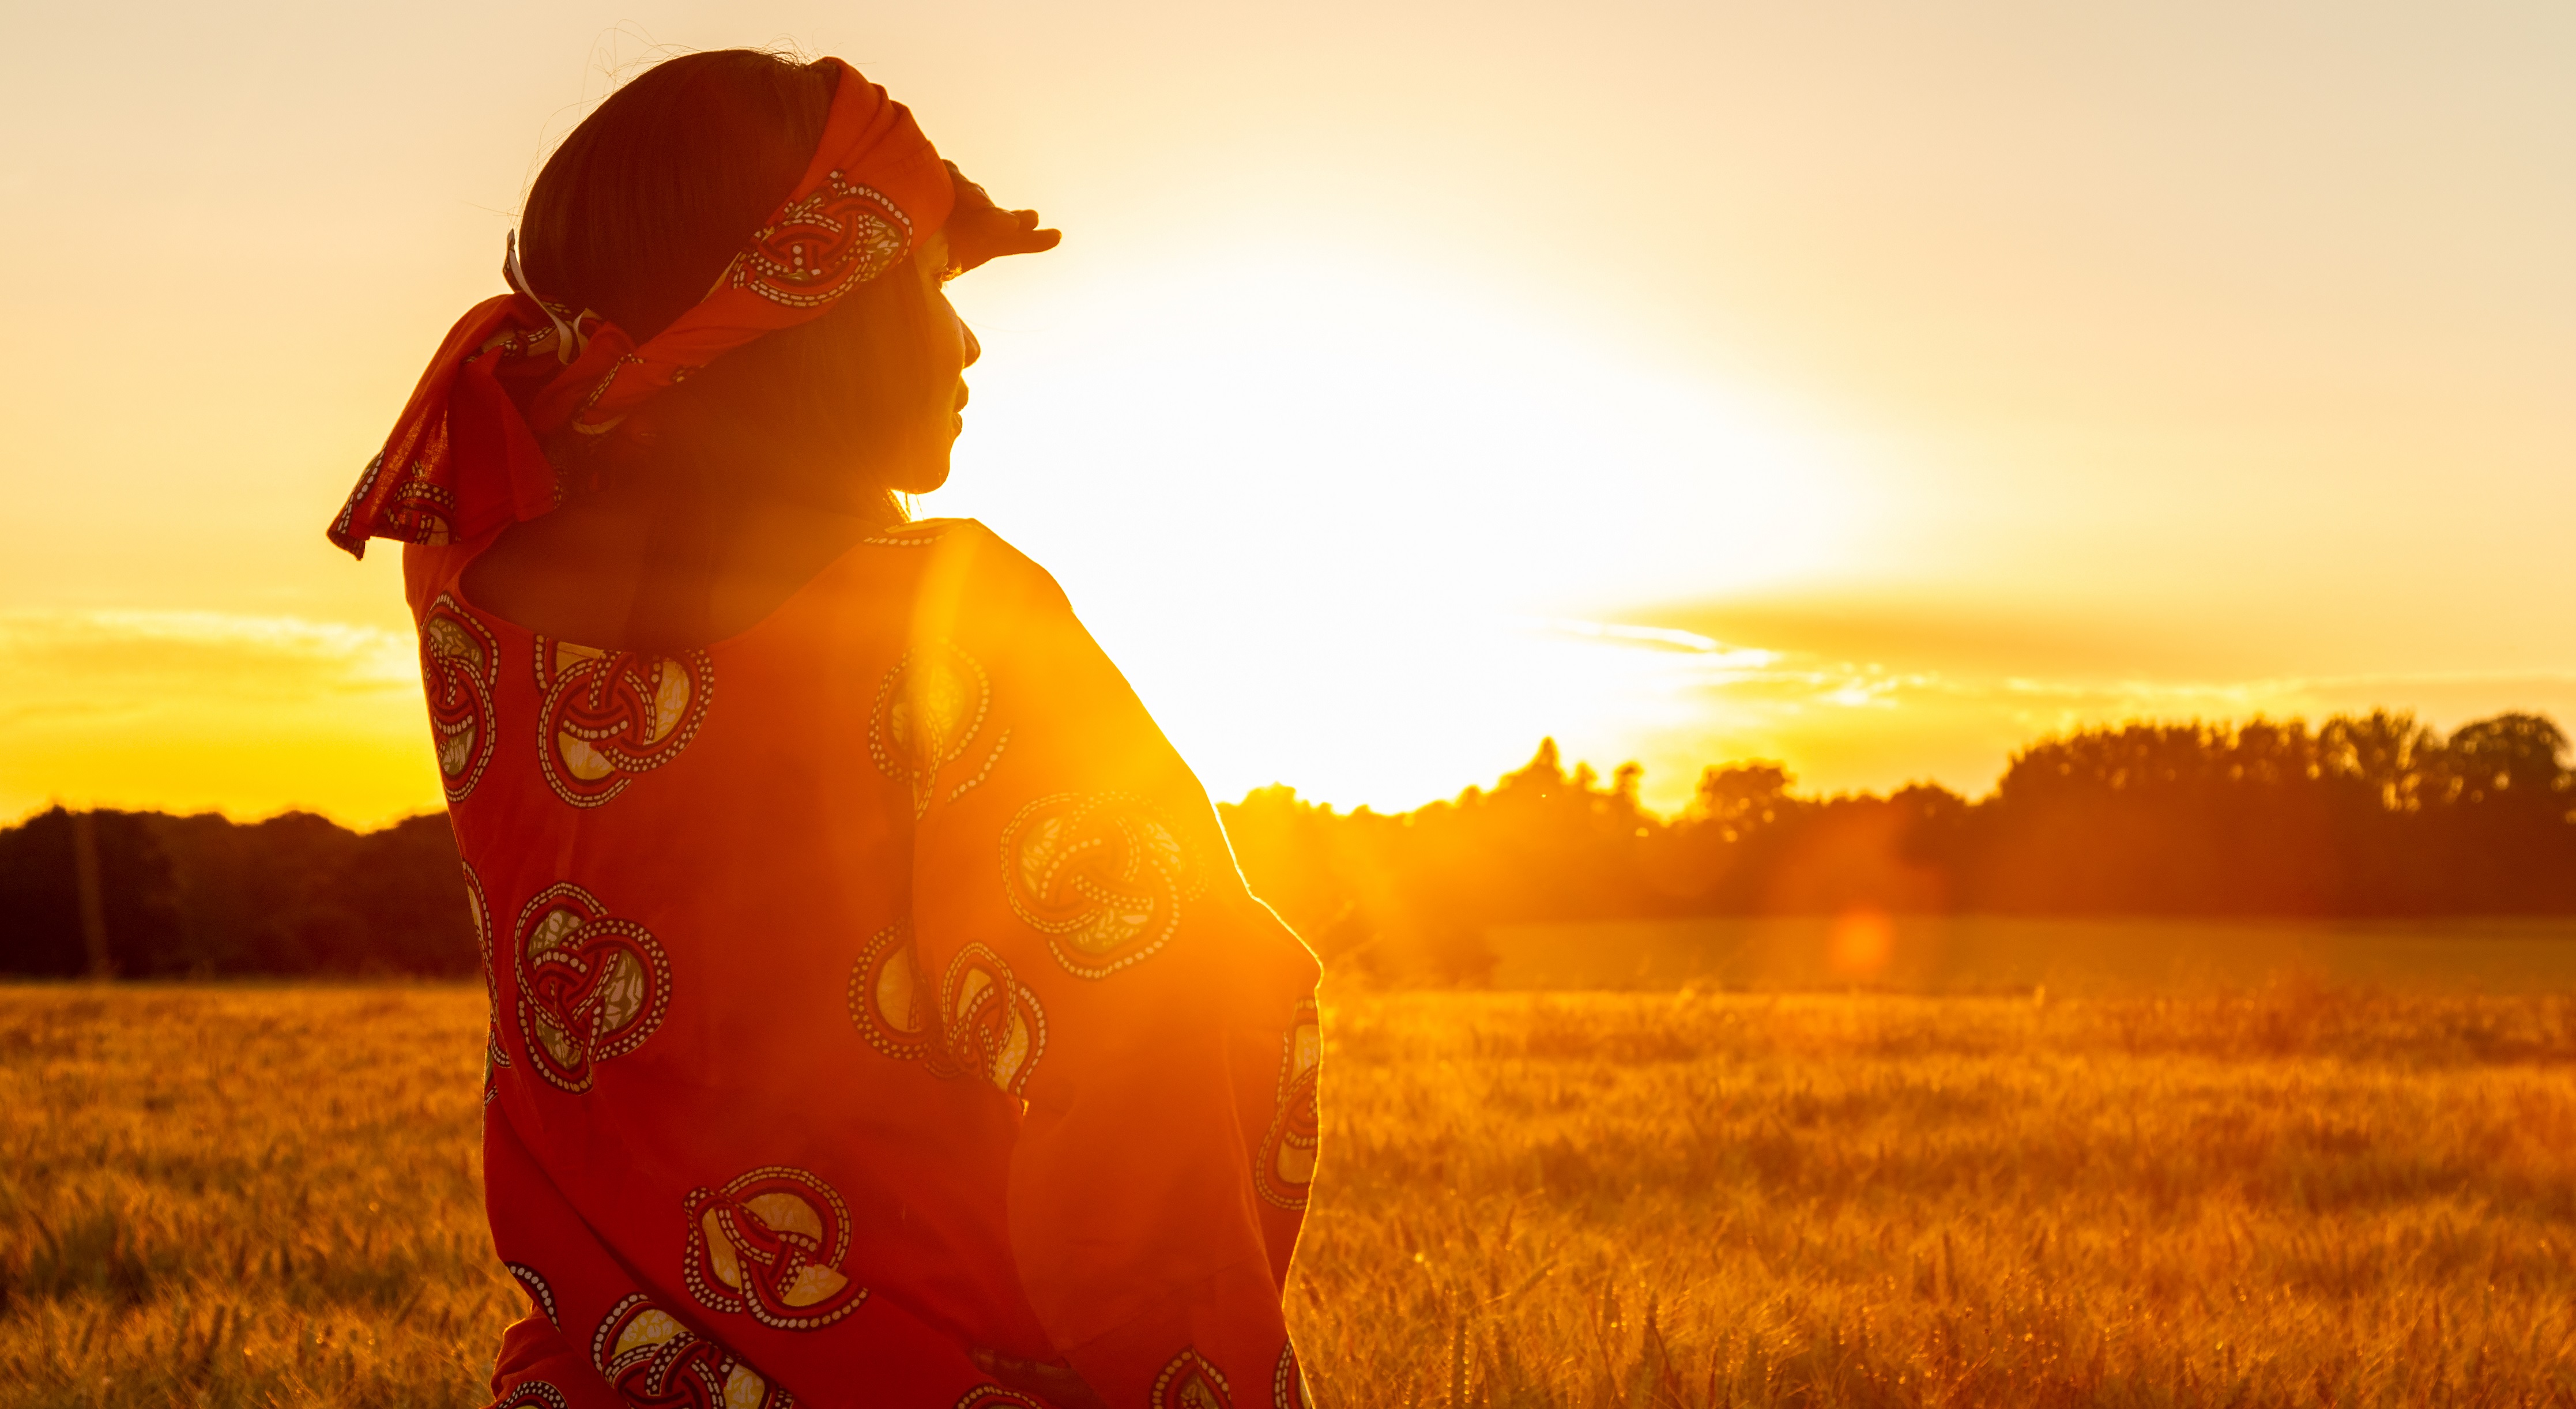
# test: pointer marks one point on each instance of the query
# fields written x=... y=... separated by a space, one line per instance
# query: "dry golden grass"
x=243 y=1196
x=1603 y=1200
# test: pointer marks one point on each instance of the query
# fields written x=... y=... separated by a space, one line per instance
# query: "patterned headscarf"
x=466 y=455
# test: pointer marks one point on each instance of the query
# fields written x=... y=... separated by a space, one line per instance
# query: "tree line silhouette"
x=2371 y=815
x=2375 y=815
x=198 y=896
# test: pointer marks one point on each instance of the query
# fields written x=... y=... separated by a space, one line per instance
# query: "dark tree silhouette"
x=195 y=896
x=40 y=919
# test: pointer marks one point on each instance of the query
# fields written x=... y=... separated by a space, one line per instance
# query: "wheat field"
x=269 y=1196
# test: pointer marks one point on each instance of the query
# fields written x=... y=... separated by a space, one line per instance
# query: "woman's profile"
x=878 y=1017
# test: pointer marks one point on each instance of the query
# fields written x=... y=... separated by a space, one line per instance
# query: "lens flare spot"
x=1861 y=943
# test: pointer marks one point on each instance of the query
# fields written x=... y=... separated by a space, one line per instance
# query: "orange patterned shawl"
x=867 y=988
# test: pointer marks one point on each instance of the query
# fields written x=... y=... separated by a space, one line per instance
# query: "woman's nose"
x=974 y=349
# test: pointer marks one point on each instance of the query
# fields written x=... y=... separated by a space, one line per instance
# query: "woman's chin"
x=922 y=481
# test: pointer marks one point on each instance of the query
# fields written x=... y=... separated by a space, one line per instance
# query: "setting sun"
x=1335 y=522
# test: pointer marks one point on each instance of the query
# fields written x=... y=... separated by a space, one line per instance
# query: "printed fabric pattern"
x=896 y=1001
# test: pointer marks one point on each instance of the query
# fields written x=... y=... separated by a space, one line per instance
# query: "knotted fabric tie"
x=466 y=455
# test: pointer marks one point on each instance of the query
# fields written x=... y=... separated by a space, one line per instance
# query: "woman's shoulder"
x=972 y=536
x=963 y=560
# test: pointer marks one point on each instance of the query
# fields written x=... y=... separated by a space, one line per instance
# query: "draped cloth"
x=467 y=454
x=868 y=988
x=871 y=988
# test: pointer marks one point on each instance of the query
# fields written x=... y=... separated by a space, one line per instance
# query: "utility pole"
x=93 y=905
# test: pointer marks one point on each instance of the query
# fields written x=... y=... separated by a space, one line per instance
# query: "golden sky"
x=1871 y=386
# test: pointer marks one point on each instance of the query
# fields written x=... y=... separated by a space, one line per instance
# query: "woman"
x=878 y=1017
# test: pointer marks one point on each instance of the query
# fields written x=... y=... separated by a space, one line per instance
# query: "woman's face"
x=953 y=350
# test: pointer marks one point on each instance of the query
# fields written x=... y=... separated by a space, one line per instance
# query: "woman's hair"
x=638 y=213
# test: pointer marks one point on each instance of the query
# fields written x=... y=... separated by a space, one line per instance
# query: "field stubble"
x=246 y=1196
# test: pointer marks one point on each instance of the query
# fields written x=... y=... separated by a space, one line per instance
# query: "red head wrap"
x=466 y=456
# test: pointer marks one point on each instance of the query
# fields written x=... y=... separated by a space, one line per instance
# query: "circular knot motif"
x=1100 y=875
x=928 y=709
x=1286 y=1164
x=539 y=1294
x=1288 y=1382
x=996 y=1029
x=591 y=987
x=980 y=1022
x=495 y=1056
x=459 y=664
x=609 y=715
x=889 y=1003
x=424 y=509
x=648 y=1357
x=770 y=1245
x=1190 y=1382
x=823 y=245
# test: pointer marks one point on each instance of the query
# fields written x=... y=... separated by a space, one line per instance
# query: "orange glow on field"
x=1861 y=943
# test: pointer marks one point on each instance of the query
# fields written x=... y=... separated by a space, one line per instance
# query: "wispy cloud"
x=1678 y=700
x=115 y=659
x=1624 y=634
x=240 y=713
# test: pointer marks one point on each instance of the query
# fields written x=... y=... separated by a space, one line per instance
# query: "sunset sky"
x=1867 y=386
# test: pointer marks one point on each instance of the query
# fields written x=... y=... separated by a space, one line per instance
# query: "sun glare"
x=1353 y=527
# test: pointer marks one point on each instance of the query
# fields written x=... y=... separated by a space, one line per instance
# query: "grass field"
x=246 y=1196
x=1988 y=954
